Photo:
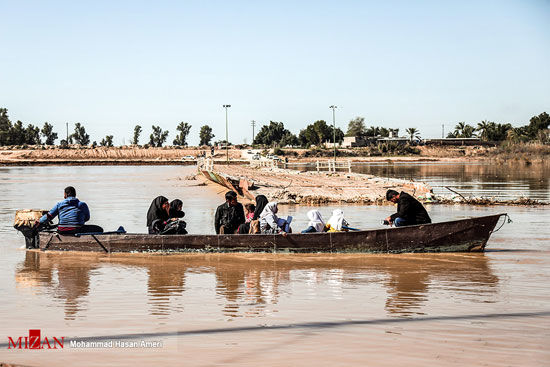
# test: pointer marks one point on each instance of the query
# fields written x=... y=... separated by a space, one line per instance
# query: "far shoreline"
x=142 y=156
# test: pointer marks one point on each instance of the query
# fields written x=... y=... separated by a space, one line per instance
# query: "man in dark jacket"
x=409 y=210
x=229 y=215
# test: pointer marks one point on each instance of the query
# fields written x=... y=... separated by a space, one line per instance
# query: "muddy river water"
x=490 y=309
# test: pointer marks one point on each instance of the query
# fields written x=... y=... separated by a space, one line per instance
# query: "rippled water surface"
x=267 y=309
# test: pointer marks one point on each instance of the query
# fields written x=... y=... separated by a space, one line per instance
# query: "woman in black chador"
x=158 y=215
x=163 y=217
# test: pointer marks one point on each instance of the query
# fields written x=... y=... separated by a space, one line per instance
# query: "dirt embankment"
x=42 y=155
x=103 y=155
x=294 y=187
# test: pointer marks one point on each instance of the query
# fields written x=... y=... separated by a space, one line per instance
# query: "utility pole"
x=253 y=126
x=67 y=130
x=334 y=107
x=226 y=106
x=443 y=131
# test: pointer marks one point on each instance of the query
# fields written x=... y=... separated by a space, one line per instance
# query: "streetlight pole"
x=334 y=107
x=226 y=106
x=253 y=125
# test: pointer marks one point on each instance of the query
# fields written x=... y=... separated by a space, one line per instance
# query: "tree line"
x=19 y=134
x=272 y=134
x=537 y=129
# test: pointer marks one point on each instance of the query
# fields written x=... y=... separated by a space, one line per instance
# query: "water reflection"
x=246 y=284
x=67 y=280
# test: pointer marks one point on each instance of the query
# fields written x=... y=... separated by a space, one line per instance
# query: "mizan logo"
x=35 y=341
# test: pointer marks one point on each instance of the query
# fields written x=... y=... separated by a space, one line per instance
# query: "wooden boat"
x=454 y=236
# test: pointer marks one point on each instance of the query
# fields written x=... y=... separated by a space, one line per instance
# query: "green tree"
x=137 y=133
x=356 y=127
x=5 y=127
x=463 y=130
x=205 y=135
x=339 y=135
x=518 y=134
x=272 y=134
x=181 y=138
x=498 y=132
x=158 y=136
x=107 y=141
x=413 y=133
x=79 y=135
x=308 y=137
x=484 y=129
x=318 y=133
x=323 y=131
x=537 y=123
x=288 y=139
x=32 y=135
x=374 y=131
x=48 y=134
x=17 y=134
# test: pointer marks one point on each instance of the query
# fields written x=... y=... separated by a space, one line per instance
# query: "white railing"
x=332 y=166
x=263 y=163
x=205 y=164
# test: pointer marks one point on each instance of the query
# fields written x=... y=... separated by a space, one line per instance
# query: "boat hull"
x=466 y=235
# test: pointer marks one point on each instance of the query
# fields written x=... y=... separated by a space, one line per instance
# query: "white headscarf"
x=316 y=220
x=269 y=216
x=337 y=220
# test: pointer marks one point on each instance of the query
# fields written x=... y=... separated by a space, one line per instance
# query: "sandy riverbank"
x=294 y=187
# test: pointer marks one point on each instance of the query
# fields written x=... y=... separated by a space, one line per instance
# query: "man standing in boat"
x=229 y=215
x=72 y=213
x=409 y=210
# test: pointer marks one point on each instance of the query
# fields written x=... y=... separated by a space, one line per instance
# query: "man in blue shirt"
x=72 y=213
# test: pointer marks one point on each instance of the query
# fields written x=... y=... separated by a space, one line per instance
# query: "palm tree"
x=459 y=129
x=463 y=130
x=483 y=127
x=413 y=133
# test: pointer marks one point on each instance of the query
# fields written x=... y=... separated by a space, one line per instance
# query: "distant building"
x=354 y=141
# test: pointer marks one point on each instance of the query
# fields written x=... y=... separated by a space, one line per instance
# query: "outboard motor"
x=25 y=220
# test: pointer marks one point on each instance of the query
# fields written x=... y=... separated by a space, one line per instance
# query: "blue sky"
x=113 y=64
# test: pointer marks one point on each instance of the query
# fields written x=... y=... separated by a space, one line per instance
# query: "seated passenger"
x=253 y=226
x=409 y=210
x=175 y=209
x=337 y=223
x=316 y=222
x=229 y=215
x=271 y=223
x=249 y=214
x=72 y=215
x=175 y=225
x=158 y=215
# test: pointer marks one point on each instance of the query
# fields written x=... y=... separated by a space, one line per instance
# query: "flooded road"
x=266 y=309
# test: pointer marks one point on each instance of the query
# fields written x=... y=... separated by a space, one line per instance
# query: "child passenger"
x=316 y=222
x=249 y=212
x=337 y=223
